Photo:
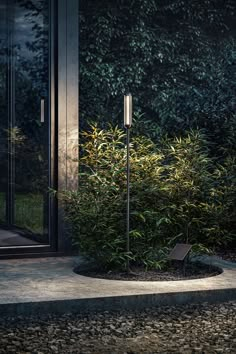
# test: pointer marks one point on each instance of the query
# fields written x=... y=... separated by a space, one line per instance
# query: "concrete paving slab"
x=49 y=284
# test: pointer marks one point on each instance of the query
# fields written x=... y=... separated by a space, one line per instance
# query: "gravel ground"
x=202 y=328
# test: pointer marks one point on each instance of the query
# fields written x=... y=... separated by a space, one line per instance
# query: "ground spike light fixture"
x=127 y=124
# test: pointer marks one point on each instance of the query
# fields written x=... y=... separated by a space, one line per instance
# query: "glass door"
x=24 y=122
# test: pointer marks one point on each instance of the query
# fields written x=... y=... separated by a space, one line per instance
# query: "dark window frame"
x=64 y=114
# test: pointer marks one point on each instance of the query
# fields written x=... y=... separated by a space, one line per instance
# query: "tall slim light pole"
x=127 y=124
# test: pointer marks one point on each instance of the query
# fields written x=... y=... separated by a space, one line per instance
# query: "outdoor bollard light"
x=127 y=125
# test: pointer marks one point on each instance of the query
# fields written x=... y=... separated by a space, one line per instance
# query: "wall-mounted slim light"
x=127 y=123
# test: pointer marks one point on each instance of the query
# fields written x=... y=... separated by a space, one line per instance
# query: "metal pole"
x=128 y=199
x=127 y=124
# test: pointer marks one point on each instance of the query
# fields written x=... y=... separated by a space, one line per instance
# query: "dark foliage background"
x=178 y=58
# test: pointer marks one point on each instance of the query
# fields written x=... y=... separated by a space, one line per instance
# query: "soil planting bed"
x=192 y=271
x=228 y=255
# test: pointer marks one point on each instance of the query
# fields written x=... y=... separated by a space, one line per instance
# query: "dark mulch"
x=174 y=272
x=228 y=255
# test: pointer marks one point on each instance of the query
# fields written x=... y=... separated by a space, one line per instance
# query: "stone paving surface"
x=205 y=329
x=50 y=279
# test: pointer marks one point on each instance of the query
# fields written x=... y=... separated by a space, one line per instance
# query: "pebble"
x=204 y=328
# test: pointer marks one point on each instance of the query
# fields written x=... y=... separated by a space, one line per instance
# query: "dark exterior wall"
x=68 y=106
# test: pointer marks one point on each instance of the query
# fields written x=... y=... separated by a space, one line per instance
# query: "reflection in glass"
x=24 y=137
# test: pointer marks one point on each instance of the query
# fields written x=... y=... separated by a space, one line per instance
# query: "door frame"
x=64 y=115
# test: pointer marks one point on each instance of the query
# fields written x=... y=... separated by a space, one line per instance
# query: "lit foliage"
x=178 y=193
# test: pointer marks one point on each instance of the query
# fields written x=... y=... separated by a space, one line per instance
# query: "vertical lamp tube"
x=127 y=124
x=127 y=110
